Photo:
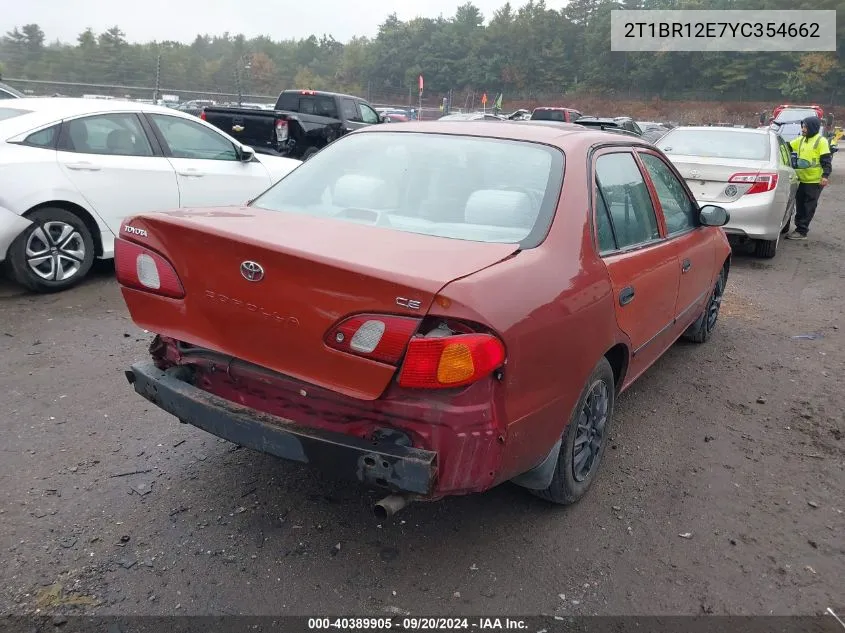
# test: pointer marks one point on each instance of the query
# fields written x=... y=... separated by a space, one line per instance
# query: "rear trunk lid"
x=316 y=272
x=709 y=178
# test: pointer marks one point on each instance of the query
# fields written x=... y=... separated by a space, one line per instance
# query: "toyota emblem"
x=252 y=271
x=694 y=173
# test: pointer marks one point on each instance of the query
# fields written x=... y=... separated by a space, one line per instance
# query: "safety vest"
x=809 y=168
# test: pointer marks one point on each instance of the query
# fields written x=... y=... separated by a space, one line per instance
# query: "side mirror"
x=711 y=215
x=247 y=153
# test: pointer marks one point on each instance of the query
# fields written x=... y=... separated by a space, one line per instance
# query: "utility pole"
x=158 y=78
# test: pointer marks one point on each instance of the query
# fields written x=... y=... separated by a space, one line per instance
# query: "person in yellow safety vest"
x=811 y=158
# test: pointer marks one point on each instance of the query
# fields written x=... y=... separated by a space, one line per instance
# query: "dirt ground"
x=736 y=445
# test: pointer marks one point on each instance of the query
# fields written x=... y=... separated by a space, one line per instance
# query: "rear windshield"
x=790 y=131
x=321 y=105
x=476 y=189
x=10 y=113
x=792 y=114
x=717 y=143
x=548 y=115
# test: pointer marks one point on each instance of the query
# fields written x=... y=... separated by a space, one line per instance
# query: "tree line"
x=525 y=52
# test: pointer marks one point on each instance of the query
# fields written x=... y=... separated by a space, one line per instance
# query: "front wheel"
x=702 y=329
x=54 y=253
x=585 y=439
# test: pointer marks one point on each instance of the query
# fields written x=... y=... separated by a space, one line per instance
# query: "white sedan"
x=72 y=169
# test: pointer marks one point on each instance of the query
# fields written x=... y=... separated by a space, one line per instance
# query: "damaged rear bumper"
x=378 y=464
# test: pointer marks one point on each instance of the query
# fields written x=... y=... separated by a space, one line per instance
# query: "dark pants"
x=806 y=201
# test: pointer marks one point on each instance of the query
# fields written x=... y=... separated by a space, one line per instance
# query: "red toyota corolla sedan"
x=431 y=309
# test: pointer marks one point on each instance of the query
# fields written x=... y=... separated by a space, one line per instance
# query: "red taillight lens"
x=281 y=130
x=377 y=336
x=202 y=115
x=140 y=268
x=450 y=361
x=760 y=182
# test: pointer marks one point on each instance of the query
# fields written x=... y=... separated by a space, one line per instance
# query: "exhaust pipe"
x=389 y=506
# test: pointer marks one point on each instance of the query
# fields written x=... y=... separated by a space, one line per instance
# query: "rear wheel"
x=766 y=248
x=52 y=254
x=702 y=329
x=309 y=153
x=585 y=439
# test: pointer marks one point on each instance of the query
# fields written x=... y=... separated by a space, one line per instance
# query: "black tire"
x=701 y=330
x=568 y=485
x=74 y=250
x=766 y=248
x=308 y=153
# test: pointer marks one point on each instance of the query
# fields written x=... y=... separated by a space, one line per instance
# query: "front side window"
x=679 y=211
x=112 y=134
x=368 y=115
x=477 y=189
x=187 y=139
x=626 y=195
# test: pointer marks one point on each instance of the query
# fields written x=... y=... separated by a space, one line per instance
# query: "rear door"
x=208 y=167
x=693 y=242
x=642 y=264
x=114 y=164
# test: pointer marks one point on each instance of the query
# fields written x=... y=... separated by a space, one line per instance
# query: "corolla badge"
x=252 y=271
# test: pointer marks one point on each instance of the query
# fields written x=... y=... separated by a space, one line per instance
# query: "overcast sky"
x=181 y=20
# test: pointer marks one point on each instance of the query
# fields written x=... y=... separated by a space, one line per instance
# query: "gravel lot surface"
x=723 y=492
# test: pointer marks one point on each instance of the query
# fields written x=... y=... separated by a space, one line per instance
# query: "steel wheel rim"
x=590 y=431
x=714 y=305
x=55 y=251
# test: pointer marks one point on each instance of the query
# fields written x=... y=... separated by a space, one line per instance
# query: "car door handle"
x=83 y=166
x=191 y=173
x=626 y=296
x=686 y=266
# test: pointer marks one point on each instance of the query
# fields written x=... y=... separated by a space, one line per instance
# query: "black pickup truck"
x=302 y=122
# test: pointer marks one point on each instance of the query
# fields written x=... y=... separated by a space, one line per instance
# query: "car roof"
x=718 y=129
x=576 y=136
x=42 y=111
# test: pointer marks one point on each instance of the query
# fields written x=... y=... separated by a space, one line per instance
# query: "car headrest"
x=353 y=190
x=120 y=141
x=497 y=207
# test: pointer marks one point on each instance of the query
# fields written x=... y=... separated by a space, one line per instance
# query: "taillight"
x=140 y=268
x=760 y=182
x=202 y=115
x=281 y=130
x=377 y=336
x=450 y=361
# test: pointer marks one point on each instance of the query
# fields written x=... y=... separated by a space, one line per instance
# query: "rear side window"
x=350 y=110
x=46 y=138
x=115 y=134
x=628 y=201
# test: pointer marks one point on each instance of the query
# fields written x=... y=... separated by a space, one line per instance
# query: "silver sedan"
x=747 y=171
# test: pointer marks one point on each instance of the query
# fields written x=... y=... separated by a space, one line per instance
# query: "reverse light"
x=143 y=269
x=380 y=337
x=760 y=182
x=450 y=361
